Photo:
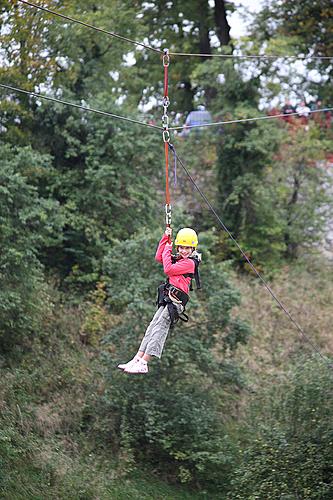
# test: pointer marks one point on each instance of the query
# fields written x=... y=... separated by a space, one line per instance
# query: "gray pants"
x=157 y=331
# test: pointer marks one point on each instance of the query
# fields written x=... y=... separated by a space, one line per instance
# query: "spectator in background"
x=199 y=117
x=303 y=112
x=287 y=110
x=313 y=105
x=274 y=112
x=319 y=118
x=324 y=118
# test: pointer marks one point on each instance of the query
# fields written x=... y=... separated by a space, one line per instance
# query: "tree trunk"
x=292 y=246
x=222 y=26
x=204 y=39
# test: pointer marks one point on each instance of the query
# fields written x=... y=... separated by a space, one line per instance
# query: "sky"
x=236 y=21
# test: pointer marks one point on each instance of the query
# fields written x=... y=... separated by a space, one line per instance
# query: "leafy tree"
x=301 y=183
x=27 y=223
x=289 y=452
x=102 y=176
x=38 y=47
x=296 y=28
x=181 y=27
x=248 y=209
x=100 y=199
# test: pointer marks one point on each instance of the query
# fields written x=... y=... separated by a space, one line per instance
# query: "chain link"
x=166 y=100
x=165 y=121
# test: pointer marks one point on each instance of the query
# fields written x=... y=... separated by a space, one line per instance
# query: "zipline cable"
x=181 y=54
x=79 y=106
x=150 y=125
x=101 y=30
x=282 y=307
x=242 y=120
x=245 y=56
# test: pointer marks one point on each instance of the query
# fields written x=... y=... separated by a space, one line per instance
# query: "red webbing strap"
x=167 y=191
x=166 y=67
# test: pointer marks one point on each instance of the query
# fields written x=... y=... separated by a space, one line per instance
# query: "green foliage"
x=78 y=198
x=247 y=204
x=302 y=185
x=97 y=179
x=232 y=93
x=27 y=222
x=273 y=192
x=57 y=438
x=297 y=28
x=95 y=320
x=289 y=449
x=181 y=26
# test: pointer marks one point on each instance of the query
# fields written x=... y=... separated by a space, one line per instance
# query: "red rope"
x=166 y=81
x=167 y=192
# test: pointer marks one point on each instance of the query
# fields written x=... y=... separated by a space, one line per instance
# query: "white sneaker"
x=122 y=366
x=140 y=366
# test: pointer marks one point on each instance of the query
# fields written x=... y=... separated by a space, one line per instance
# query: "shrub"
x=26 y=222
x=290 y=449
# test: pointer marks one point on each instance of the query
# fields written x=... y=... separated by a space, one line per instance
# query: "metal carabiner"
x=166 y=58
x=166 y=101
x=168 y=214
x=166 y=135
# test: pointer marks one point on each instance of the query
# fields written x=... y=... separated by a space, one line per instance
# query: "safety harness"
x=169 y=295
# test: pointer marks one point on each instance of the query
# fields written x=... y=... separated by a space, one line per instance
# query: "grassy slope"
x=306 y=291
x=53 y=441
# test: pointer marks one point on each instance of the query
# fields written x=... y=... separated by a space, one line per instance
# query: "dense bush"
x=289 y=451
x=27 y=221
x=97 y=177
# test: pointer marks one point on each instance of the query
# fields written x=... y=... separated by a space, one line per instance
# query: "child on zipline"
x=172 y=297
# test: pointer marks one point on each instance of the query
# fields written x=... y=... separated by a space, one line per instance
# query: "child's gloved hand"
x=168 y=232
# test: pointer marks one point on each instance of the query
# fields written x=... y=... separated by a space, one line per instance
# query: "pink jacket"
x=174 y=271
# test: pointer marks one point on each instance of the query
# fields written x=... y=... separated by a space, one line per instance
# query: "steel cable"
x=242 y=120
x=282 y=307
x=80 y=106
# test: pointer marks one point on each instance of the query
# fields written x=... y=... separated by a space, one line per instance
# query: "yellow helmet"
x=187 y=237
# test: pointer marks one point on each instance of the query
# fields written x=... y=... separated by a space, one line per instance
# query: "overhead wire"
x=79 y=106
x=242 y=120
x=250 y=56
x=180 y=54
x=257 y=273
x=151 y=125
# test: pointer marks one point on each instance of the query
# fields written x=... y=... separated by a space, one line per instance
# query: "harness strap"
x=163 y=299
x=194 y=275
